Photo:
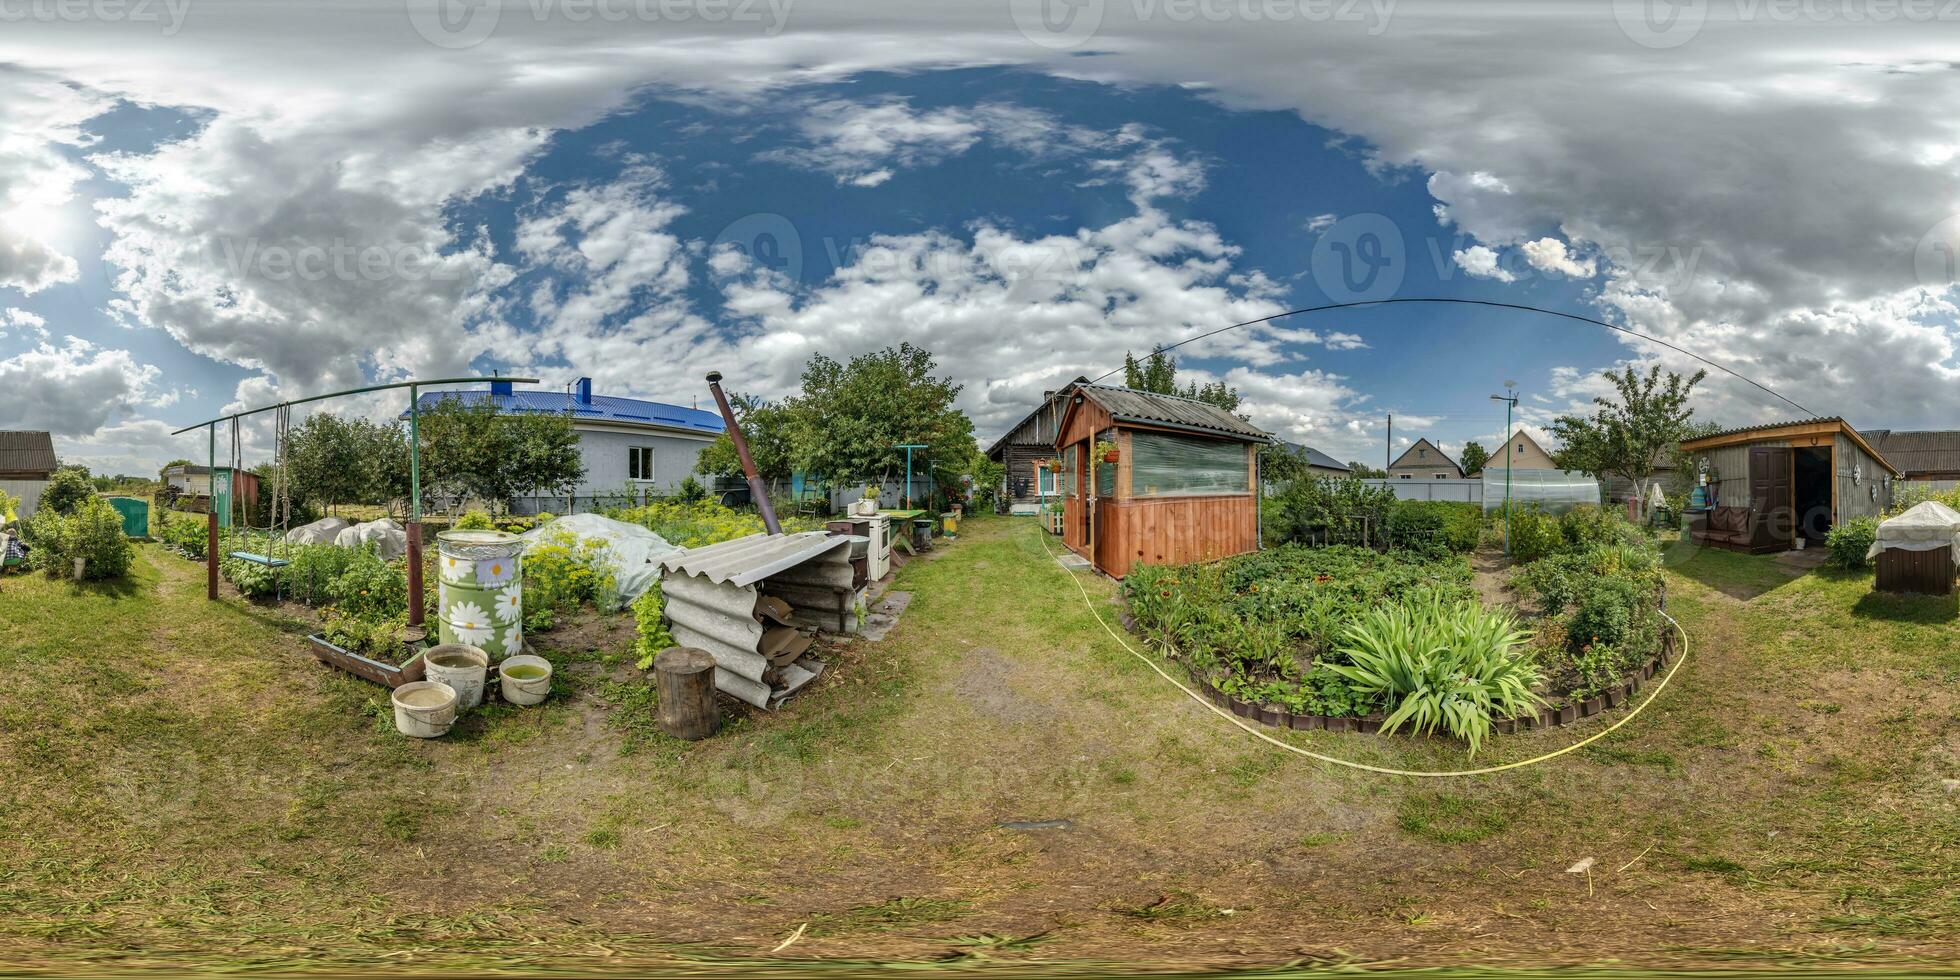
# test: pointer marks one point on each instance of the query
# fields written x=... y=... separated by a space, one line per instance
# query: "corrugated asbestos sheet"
x=1130 y=405
x=712 y=595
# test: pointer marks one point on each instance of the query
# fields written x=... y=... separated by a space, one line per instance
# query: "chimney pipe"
x=756 y=488
x=584 y=389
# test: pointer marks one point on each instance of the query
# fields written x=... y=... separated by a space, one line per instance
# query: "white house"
x=630 y=446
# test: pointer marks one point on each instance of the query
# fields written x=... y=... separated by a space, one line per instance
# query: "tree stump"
x=685 y=679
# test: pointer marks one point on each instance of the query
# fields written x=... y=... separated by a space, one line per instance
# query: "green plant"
x=90 y=530
x=65 y=491
x=370 y=588
x=561 y=572
x=1849 y=542
x=377 y=638
x=1453 y=666
x=1605 y=613
x=650 y=626
x=1534 y=534
x=475 y=520
x=690 y=490
x=9 y=508
x=189 y=536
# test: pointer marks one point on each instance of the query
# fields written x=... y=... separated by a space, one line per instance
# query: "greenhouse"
x=1554 y=491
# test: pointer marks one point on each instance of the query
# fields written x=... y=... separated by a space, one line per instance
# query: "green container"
x=135 y=516
x=480 y=591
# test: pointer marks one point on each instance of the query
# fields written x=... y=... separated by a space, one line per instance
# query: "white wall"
x=29 y=492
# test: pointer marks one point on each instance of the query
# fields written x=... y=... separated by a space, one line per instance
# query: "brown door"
x=1769 y=490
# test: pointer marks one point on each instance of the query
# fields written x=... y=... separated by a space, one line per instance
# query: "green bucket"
x=480 y=591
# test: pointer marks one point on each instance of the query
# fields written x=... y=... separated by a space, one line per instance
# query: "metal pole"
x=908 y=447
x=1388 y=451
x=756 y=489
x=415 y=600
x=1510 y=402
x=211 y=516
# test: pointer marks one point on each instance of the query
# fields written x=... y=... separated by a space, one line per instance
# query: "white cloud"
x=1551 y=255
x=39 y=117
x=19 y=322
x=1482 y=262
x=72 y=389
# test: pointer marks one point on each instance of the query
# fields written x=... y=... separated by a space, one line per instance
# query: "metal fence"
x=1461 y=491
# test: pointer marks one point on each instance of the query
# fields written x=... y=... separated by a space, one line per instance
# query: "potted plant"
x=1106 y=451
x=868 y=505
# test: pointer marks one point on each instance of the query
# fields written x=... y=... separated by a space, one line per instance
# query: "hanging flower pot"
x=1106 y=451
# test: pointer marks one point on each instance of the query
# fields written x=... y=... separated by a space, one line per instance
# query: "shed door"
x=1769 y=489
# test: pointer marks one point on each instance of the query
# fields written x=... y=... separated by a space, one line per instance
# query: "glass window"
x=1045 y=481
x=1068 y=472
x=1173 y=466
x=1106 y=472
x=639 y=463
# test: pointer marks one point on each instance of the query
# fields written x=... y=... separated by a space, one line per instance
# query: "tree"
x=1627 y=436
x=766 y=427
x=1281 y=463
x=1474 y=458
x=849 y=420
x=1362 y=471
x=473 y=450
x=67 y=490
x=1158 y=374
x=323 y=462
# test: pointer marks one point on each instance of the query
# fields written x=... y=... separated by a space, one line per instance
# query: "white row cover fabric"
x=389 y=540
x=1923 y=527
x=323 y=531
x=632 y=551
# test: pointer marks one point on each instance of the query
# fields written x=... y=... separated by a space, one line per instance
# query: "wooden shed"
x=1182 y=489
x=1797 y=479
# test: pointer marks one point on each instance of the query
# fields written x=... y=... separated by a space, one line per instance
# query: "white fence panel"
x=1461 y=491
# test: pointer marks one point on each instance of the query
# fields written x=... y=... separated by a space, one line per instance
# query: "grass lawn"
x=182 y=786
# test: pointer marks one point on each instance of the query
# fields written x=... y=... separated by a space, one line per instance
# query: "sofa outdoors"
x=1737 y=529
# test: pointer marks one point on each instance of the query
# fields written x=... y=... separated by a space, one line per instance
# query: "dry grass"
x=186 y=788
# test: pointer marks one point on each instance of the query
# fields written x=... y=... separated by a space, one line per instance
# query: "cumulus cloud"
x=72 y=389
x=39 y=116
x=1482 y=262
x=1551 y=255
x=20 y=323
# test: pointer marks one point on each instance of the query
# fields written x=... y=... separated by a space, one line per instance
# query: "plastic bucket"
x=480 y=591
x=525 y=679
x=463 y=668
x=424 y=709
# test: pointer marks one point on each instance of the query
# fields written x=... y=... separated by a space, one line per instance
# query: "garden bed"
x=1352 y=639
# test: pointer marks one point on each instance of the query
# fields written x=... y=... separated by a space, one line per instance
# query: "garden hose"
x=1364 y=767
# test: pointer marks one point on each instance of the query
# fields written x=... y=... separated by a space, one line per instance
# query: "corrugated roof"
x=1727 y=437
x=1130 y=405
x=746 y=561
x=26 y=452
x=602 y=408
x=1920 y=451
x=1315 y=457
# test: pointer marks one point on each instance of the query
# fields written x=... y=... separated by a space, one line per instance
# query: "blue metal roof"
x=603 y=408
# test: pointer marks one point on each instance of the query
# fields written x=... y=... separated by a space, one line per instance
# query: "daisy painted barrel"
x=480 y=591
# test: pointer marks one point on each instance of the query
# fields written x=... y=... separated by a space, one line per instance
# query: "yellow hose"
x=1364 y=767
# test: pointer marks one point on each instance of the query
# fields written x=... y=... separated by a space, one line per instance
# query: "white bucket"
x=525 y=690
x=461 y=667
x=424 y=709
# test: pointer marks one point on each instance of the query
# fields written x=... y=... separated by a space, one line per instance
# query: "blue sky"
x=561 y=200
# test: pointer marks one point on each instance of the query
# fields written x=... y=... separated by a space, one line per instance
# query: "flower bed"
x=1350 y=639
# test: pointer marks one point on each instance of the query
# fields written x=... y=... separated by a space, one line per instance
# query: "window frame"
x=640 y=459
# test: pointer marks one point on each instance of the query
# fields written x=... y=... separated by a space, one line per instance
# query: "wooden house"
x=1032 y=441
x=1792 y=480
x=1181 y=489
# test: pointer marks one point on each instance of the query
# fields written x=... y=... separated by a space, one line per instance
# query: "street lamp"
x=1510 y=400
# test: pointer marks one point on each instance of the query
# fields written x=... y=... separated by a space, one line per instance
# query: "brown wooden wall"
x=1173 y=530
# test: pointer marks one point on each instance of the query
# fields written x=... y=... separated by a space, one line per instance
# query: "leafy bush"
x=369 y=588
x=1605 y=613
x=187 y=533
x=9 y=507
x=91 y=530
x=691 y=491
x=650 y=626
x=691 y=525
x=1848 y=542
x=560 y=573
x=1590 y=524
x=474 y=520
x=1434 y=526
x=65 y=492
x=1453 y=666
x=1328 y=509
x=377 y=638
x=1534 y=534
x=314 y=567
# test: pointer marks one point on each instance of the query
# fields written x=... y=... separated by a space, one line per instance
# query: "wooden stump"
x=685 y=679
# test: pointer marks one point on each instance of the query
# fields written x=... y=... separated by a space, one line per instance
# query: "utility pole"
x=1388 y=451
x=1510 y=400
